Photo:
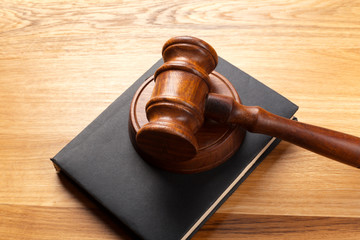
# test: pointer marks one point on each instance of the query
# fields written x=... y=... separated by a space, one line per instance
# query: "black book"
x=153 y=203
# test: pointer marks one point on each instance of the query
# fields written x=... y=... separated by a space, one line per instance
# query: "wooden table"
x=63 y=62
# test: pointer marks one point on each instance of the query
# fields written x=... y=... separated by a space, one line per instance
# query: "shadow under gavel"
x=181 y=99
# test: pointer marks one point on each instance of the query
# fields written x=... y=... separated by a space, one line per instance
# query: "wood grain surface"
x=63 y=62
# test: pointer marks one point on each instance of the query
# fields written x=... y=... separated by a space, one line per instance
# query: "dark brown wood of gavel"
x=181 y=101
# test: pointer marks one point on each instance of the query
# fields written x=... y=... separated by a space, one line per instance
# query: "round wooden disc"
x=217 y=142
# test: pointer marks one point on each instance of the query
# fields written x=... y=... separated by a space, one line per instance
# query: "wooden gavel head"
x=176 y=108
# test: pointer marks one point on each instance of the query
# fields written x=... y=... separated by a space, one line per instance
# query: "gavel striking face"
x=182 y=98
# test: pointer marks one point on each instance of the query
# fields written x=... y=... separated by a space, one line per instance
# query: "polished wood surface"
x=62 y=63
x=181 y=98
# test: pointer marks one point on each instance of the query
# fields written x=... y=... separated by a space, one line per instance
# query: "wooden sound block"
x=217 y=142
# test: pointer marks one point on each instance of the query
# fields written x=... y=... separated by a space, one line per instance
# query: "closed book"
x=154 y=203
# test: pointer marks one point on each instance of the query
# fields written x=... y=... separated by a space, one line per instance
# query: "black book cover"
x=153 y=203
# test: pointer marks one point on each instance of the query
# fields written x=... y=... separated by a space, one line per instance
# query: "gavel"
x=182 y=99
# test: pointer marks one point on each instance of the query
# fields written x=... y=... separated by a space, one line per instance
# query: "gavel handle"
x=332 y=144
